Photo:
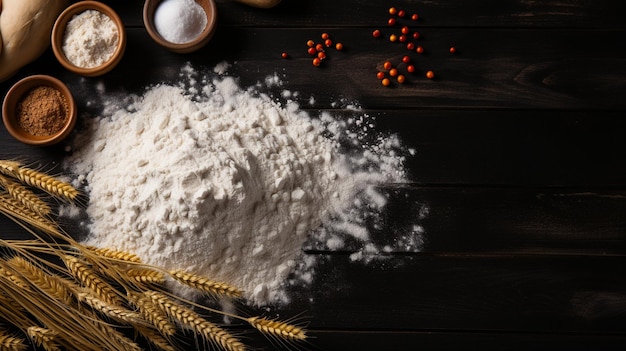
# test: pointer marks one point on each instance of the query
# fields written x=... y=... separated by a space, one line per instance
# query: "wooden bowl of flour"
x=89 y=38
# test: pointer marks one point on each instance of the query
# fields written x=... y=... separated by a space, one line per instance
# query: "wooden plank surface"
x=518 y=183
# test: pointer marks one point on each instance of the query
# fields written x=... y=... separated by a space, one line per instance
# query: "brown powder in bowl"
x=42 y=111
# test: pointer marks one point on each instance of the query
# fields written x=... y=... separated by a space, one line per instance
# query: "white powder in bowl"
x=180 y=21
x=225 y=182
x=90 y=39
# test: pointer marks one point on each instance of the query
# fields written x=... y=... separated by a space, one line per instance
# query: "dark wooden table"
x=521 y=161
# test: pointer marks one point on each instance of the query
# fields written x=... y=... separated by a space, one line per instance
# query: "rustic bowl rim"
x=210 y=8
x=58 y=31
x=14 y=95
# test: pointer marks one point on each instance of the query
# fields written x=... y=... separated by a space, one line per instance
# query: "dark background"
x=521 y=162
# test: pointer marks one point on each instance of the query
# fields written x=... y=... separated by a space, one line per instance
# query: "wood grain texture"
x=517 y=185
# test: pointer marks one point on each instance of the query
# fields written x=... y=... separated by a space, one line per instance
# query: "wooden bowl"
x=58 y=32
x=15 y=95
x=149 y=10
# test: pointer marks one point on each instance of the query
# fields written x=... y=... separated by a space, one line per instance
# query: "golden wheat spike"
x=25 y=196
x=154 y=337
x=278 y=329
x=115 y=312
x=151 y=313
x=144 y=275
x=48 y=283
x=114 y=254
x=90 y=279
x=9 y=342
x=191 y=320
x=204 y=284
x=16 y=210
x=39 y=180
x=118 y=340
x=17 y=281
x=43 y=337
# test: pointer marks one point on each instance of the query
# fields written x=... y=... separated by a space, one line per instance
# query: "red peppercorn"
x=430 y=74
x=284 y=55
x=391 y=22
x=380 y=75
x=325 y=36
x=393 y=72
x=401 y=13
x=410 y=68
x=415 y=17
x=317 y=62
x=310 y=43
x=386 y=82
x=452 y=50
x=393 y=11
x=402 y=38
x=419 y=49
x=339 y=46
x=376 y=33
x=319 y=47
x=387 y=65
x=312 y=51
x=328 y=43
x=410 y=46
x=405 y=30
x=321 y=55
x=406 y=59
x=401 y=79
x=416 y=35
x=393 y=38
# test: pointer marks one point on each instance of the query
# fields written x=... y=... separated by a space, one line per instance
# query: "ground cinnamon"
x=42 y=111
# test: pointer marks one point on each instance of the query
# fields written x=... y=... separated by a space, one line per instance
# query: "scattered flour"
x=226 y=182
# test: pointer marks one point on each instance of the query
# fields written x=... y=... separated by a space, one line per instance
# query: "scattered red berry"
x=376 y=33
x=386 y=82
x=391 y=22
x=410 y=68
x=410 y=46
x=416 y=35
x=317 y=62
x=328 y=43
x=387 y=65
x=401 y=79
x=452 y=50
x=415 y=17
x=321 y=55
x=402 y=38
x=319 y=47
x=380 y=75
x=430 y=74
x=419 y=49
x=312 y=51
x=393 y=11
x=339 y=46
x=405 y=30
x=325 y=36
x=284 y=55
x=401 y=13
x=406 y=59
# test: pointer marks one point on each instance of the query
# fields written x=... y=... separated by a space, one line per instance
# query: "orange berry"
x=321 y=55
x=430 y=74
x=317 y=62
x=310 y=43
x=325 y=36
x=419 y=49
x=393 y=72
x=328 y=43
x=393 y=38
x=386 y=82
x=319 y=47
x=401 y=79
x=393 y=11
x=387 y=65
x=339 y=46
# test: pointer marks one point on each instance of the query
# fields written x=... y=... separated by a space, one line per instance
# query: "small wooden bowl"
x=149 y=9
x=17 y=92
x=58 y=32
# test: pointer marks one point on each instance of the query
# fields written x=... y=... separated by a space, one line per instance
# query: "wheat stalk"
x=48 y=283
x=25 y=196
x=14 y=209
x=114 y=254
x=278 y=329
x=117 y=340
x=189 y=319
x=88 y=278
x=39 y=180
x=9 y=342
x=205 y=285
x=43 y=337
x=154 y=337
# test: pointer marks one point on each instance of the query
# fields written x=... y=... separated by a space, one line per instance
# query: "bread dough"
x=25 y=29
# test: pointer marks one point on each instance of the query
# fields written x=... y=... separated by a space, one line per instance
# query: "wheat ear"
x=17 y=281
x=88 y=278
x=25 y=196
x=144 y=275
x=118 y=340
x=278 y=329
x=152 y=314
x=154 y=337
x=189 y=319
x=43 y=337
x=9 y=342
x=39 y=180
x=205 y=285
x=115 y=312
x=14 y=209
x=114 y=254
x=48 y=283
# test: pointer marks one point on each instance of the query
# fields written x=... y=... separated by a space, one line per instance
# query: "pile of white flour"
x=226 y=182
